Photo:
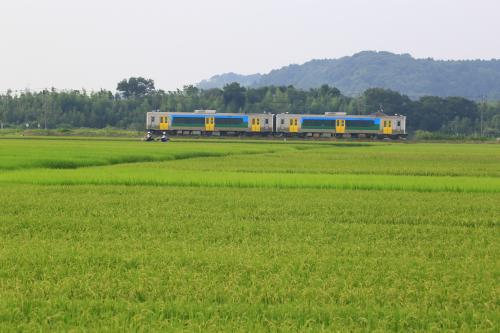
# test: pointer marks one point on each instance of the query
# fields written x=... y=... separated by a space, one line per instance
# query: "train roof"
x=325 y=115
x=338 y=115
x=211 y=113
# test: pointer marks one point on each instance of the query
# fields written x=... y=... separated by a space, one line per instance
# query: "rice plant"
x=243 y=236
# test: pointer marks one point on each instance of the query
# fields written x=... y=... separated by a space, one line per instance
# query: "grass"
x=74 y=153
x=248 y=236
x=73 y=132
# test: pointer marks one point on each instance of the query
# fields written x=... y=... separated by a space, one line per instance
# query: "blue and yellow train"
x=331 y=124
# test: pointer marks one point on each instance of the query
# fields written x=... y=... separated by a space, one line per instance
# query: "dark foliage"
x=66 y=109
x=135 y=87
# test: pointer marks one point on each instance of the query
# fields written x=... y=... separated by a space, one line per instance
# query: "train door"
x=294 y=125
x=164 y=123
x=255 y=124
x=340 y=126
x=209 y=124
x=387 y=126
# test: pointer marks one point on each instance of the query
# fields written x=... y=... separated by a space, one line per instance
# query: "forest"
x=126 y=107
x=399 y=72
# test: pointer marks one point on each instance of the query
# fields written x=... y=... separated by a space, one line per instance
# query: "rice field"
x=230 y=235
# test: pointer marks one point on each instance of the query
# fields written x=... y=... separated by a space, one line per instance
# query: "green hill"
x=400 y=72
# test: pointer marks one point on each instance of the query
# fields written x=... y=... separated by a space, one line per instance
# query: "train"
x=330 y=124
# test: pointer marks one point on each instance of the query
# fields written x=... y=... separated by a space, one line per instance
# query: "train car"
x=209 y=122
x=340 y=124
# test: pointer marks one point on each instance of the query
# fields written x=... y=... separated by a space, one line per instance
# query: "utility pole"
x=483 y=106
x=45 y=115
x=3 y=110
x=45 y=109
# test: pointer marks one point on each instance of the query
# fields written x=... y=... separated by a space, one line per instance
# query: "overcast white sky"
x=92 y=44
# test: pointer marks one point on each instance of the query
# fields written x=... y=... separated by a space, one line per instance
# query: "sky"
x=93 y=44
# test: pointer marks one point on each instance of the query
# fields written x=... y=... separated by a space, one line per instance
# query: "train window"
x=231 y=121
x=253 y=121
x=318 y=123
x=291 y=121
x=266 y=121
x=282 y=121
x=362 y=124
x=296 y=122
x=188 y=121
x=152 y=119
x=399 y=123
x=258 y=121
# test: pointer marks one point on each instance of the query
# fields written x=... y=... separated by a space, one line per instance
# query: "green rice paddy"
x=235 y=235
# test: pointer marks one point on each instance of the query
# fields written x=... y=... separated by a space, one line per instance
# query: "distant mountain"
x=369 y=69
x=219 y=81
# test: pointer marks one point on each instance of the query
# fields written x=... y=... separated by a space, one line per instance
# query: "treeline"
x=127 y=107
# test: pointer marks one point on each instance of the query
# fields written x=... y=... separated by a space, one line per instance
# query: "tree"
x=234 y=96
x=326 y=90
x=136 y=87
x=191 y=91
x=390 y=101
x=459 y=126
